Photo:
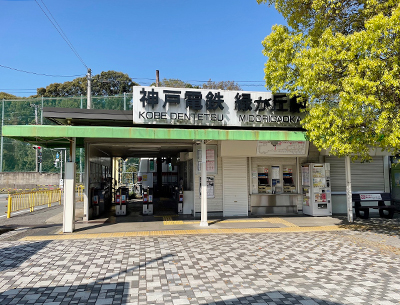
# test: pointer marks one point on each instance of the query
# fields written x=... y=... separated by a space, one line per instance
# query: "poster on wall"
x=210 y=187
x=275 y=172
x=210 y=160
x=305 y=175
x=318 y=171
x=306 y=196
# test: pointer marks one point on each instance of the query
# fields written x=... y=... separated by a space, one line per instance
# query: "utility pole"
x=157 y=78
x=89 y=89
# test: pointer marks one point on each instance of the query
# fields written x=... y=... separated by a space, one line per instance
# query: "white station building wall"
x=234 y=193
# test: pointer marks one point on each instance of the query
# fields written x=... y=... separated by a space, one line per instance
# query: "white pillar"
x=69 y=198
x=203 y=221
x=69 y=190
x=86 y=184
x=348 y=190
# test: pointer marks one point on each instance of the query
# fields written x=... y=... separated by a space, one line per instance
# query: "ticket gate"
x=148 y=201
x=121 y=197
x=180 y=202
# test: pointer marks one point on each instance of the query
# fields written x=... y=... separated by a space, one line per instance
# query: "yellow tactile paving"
x=280 y=220
x=171 y=223
x=183 y=232
x=168 y=221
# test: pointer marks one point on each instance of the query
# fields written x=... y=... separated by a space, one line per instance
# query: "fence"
x=19 y=156
x=79 y=192
x=30 y=200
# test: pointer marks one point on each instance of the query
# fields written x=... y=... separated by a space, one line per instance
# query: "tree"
x=222 y=85
x=343 y=57
x=177 y=83
x=7 y=96
x=174 y=83
x=107 y=83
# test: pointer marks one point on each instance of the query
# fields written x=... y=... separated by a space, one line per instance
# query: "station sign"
x=204 y=107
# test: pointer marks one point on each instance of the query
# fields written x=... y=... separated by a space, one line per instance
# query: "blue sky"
x=184 y=39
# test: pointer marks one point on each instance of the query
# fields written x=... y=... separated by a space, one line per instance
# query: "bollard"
x=9 y=206
x=49 y=198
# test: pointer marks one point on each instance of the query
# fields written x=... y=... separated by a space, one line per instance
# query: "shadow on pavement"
x=374 y=224
x=12 y=257
x=93 y=292
x=117 y=293
x=272 y=297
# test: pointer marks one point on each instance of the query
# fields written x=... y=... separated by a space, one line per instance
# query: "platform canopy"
x=113 y=132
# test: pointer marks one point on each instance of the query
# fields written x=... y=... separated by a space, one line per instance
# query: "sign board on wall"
x=211 y=160
x=210 y=187
x=187 y=106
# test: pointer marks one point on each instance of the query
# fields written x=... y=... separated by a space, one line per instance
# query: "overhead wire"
x=61 y=32
x=43 y=74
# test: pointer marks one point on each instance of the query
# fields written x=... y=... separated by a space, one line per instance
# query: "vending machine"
x=316 y=187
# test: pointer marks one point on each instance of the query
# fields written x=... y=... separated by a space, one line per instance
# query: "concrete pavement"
x=284 y=260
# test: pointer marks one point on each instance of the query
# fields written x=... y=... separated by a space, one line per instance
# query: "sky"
x=184 y=39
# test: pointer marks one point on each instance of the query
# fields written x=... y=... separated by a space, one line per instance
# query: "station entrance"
x=162 y=175
x=232 y=154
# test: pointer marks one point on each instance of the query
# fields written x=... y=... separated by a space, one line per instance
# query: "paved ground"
x=301 y=262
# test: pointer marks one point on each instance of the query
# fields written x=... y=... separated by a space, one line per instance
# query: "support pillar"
x=348 y=190
x=86 y=197
x=69 y=190
x=69 y=198
x=203 y=222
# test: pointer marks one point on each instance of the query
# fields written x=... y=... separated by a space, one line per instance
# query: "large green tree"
x=8 y=96
x=210 y=84
x=222 y=85
x=174 y=83
x=343 y=57
x=107 y=83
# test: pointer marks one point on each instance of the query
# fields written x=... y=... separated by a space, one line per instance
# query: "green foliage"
x=174 y=83
x=7 y=96
x=107 y=83
x=222 y=85
x=344 y=58
x=177 y=83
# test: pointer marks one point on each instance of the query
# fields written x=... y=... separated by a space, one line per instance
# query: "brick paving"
x=357 y=266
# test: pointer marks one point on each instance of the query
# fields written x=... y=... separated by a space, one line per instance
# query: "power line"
x=52 y=75
x=61 y=32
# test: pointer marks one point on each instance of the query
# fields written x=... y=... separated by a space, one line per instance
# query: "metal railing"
x=30 y=200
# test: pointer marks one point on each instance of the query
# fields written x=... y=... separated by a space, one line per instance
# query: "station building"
x=248 y=148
